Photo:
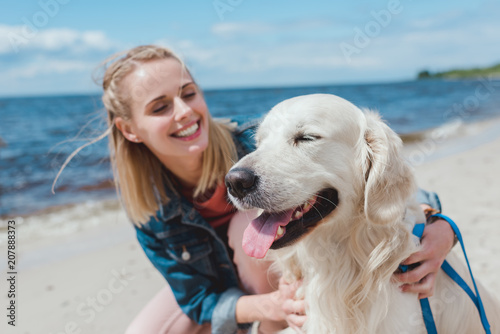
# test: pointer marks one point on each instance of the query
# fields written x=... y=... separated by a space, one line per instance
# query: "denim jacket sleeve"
x=198 y=296
x=430 y=198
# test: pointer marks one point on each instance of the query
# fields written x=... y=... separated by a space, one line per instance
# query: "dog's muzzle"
x=240 y=182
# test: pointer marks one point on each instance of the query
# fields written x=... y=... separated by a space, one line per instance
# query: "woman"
x=169 y=158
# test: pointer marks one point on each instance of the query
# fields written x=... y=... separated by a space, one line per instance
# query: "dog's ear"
x=389 y=180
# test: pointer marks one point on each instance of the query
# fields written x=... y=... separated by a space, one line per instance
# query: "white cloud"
x=97 y=39
x=190 y=51
x=237 y=57
x=233 y=29
x=435 y=20
x=7 y=37
x=237 y=28
x=44 y=67
x=16 y=39
x=470 y=45
x=50 y=60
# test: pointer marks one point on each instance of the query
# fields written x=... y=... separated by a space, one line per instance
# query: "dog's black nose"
x=240 y=182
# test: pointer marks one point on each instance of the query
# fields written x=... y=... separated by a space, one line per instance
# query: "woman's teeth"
x=187 y=132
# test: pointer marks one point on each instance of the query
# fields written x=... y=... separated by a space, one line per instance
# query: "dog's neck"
x=352 y=261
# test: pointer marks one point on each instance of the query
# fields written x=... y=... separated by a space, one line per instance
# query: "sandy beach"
x=80 y=270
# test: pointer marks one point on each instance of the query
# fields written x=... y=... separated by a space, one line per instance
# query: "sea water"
x=37 y=134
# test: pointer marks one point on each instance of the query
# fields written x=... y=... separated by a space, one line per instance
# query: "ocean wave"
x=454 y=128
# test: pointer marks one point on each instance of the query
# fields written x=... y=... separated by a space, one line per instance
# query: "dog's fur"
x=347 y=260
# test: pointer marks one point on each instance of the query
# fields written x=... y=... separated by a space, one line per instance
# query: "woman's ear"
x=389 y=179
x=126 y=129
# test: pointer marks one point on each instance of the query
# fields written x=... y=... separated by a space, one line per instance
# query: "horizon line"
x=219 y=88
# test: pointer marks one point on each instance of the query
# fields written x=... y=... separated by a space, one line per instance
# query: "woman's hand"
x=294 y=309
x=437 y=241
x=275 y=310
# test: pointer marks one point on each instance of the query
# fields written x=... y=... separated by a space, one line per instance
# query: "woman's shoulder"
x=243 y=132
x=244 y=135
x=240 y=125
x=248 y=126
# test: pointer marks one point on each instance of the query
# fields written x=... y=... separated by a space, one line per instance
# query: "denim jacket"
x=195 y=262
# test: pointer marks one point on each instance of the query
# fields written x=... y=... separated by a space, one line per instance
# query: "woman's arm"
x=275 y=310
x=264 y=307
x=198 y=296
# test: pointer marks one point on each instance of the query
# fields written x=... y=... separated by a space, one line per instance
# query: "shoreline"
x=450 y=139
x=70 y=257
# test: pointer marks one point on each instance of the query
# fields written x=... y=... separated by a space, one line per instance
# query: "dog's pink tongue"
x=260 y=233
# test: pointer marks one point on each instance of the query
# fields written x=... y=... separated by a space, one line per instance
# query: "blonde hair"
x=140 y=178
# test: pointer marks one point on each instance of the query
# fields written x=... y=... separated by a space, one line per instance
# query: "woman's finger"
x=417 y=257
x=295 y=320
x=297 y=307
x=416 y=274
x=297 y=330
x=425 y=288
x=288 y=290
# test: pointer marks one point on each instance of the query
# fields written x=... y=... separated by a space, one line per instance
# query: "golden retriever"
x=338 y=210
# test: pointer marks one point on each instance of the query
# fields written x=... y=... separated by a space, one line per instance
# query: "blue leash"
x=430 y=325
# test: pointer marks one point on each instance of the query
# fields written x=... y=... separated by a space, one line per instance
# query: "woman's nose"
x=181 y=109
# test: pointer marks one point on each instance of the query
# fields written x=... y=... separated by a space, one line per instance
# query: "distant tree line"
x=461 y=73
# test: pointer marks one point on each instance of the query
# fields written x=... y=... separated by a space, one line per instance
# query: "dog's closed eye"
x=302 y=137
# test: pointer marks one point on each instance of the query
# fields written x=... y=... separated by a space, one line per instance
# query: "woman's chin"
x=199 y=147
x=195 y=149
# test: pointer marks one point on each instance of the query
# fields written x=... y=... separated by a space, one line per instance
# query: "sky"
x=52 y=47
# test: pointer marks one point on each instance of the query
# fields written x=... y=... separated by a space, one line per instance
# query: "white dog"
x=339 y=208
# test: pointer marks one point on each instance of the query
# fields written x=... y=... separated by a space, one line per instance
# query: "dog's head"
x=317 y=155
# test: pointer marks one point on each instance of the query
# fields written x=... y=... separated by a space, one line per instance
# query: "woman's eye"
x=160 y=108
x=188 y=95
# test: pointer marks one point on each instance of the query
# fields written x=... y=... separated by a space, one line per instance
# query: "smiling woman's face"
x=169 y=113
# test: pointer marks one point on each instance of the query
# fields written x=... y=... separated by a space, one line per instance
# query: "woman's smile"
x=189 y=132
